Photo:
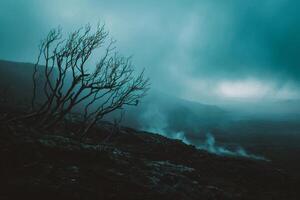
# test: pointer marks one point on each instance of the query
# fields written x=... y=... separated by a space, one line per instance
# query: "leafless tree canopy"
x=68 y=80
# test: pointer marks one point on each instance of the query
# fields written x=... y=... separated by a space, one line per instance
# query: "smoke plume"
x=210 y=145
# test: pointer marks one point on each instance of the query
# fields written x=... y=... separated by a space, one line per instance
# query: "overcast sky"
x=201 y=50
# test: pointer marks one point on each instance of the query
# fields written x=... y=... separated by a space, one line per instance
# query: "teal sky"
x=202 y=50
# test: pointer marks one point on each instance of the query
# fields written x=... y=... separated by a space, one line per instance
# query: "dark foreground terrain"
x=122 y=163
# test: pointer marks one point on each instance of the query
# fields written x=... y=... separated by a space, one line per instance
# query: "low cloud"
x=189 y=48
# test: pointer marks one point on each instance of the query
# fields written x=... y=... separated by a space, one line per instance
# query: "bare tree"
x=69 y=81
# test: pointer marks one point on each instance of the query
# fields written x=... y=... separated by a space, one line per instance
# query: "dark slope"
x=127 y=164
x=36 y=164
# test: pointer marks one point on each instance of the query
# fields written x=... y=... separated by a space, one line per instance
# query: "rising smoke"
x=210 y=145
x=155 y=119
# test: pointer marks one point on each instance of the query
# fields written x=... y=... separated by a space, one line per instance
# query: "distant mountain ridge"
x=162 y=111
x=156 y=110
x=16 y=79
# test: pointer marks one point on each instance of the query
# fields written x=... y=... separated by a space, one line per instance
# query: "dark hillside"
x=127 y=164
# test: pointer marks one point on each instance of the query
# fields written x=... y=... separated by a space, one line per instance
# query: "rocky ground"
x=127 y=164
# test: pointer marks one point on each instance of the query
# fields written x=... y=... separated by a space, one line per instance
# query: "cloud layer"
x=190 y=48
